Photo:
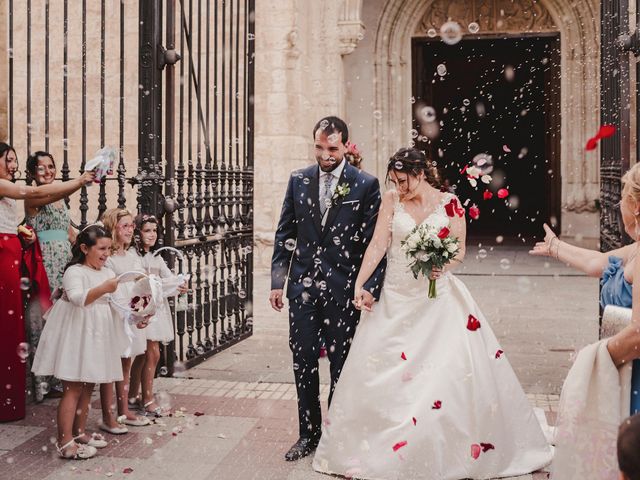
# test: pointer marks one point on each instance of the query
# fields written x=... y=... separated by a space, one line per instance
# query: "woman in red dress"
x=13 y=349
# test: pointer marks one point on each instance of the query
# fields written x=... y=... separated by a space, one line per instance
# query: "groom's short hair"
x=628 y=447
x=329 y=125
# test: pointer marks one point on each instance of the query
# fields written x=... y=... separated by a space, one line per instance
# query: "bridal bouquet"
x=429 y=247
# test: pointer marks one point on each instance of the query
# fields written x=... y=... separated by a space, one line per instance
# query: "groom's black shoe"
x=303 y=447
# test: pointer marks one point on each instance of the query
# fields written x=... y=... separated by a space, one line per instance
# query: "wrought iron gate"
x=615 y=108
x=193 y=133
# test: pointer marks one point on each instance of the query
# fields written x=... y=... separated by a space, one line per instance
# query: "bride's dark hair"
x=413 y=161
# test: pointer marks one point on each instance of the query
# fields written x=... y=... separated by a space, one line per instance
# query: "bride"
x=426 y=391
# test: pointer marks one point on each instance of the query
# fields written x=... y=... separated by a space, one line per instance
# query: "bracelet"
x=551 y=246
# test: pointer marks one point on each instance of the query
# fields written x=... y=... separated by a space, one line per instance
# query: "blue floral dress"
x=51 y=224
x=616 y=290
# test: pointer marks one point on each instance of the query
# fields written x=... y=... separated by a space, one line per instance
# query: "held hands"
x=183 y=288
x=363 y=299
x=275 y=299
x=548 y=247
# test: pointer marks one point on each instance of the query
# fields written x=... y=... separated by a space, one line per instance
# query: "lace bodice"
x=398 y=276
x=8 y=215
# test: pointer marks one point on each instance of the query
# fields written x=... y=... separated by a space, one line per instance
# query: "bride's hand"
x=543 y=249
x=436 y=273
x=362 y=299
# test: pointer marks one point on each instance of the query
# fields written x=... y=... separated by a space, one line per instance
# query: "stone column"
x=299 y=79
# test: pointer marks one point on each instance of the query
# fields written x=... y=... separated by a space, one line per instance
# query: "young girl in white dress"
x=81 y=340
x=160 y=328
x=122 y=260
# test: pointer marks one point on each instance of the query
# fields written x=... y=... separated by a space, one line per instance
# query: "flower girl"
x=81 y=341
x=122 y=260
x=160 y=329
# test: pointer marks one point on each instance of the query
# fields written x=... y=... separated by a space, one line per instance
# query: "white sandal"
x=157 y=412
x=113 y=430
x=96 y=440
x=138 y=422
x=82 y=451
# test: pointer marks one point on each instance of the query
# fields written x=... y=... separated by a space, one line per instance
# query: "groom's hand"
x=363 y=299
x=275 y=298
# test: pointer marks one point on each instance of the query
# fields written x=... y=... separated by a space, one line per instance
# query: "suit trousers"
x=314 y=316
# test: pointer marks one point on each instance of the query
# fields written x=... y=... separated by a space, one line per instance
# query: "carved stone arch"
x=578 y=24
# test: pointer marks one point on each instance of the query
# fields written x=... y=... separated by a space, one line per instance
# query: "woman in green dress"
x=52 y=224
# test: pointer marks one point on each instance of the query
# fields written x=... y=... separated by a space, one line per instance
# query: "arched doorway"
x=497 y=104
x=576 y=25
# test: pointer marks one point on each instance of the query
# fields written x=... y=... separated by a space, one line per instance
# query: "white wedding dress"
x=421 y=394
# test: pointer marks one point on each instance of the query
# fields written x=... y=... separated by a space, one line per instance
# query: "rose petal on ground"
x=399 y=445
x=499 y=353
x=436 y=405
x=414 y=420
x=403 y=356
x=198 y=414
x=475 y=450
x=127 y=470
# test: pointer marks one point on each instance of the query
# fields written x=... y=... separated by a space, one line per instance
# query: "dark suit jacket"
x=336 y=250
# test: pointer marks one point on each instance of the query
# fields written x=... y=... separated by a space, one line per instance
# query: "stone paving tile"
x=232 y=439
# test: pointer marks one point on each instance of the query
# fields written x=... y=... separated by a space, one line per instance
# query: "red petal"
x=443 y=233
x=127 y=470
x=436 y=405
x=592 y=143
x=475 y=450
x=487 y=446
x=414 y=421
x=473 y=323
x=403 y=356
x=464 y=169
x=450 y=208
x=474 y=212
x=198 y=414
x=487 y=195
x=399 y=445
x=499 y=353
x=174 y=434
x=606 y=131
x=503 y=193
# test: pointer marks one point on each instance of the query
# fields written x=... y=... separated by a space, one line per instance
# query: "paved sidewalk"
x=236 y=416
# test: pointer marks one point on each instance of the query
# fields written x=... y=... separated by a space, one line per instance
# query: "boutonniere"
x=342 y=191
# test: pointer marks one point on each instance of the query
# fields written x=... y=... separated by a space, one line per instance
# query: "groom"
x=328 y=218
